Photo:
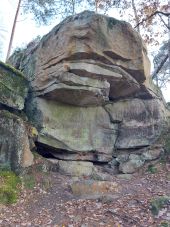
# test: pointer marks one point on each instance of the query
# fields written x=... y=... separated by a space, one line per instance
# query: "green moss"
x=7 y=196
x=17 y=85
x=164 y=224
x=11 y=69
x=158 y=203
x=5 y=167
x=8 y=187
x=13 y=88
x=10 y=98
x=7 y=114
x=152 y=169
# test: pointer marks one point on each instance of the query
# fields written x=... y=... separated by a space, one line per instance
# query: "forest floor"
x=53 y=204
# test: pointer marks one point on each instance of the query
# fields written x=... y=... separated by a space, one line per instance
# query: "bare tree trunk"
x=73 y=7
x=155 y=73
x=169 y=41
x=13 y=30
x=96 y=6
x=136 y=15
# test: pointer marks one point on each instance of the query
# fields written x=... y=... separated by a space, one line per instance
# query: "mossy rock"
x=14 y=142
x=13 y=87
x=167 y=145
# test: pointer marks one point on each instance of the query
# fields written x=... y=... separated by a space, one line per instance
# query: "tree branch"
x=152 y=15
x=164 y=22
x=136 y=15
x=159 y=67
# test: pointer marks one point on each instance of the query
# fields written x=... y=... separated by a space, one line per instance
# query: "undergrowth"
x=158 y=203
x=9 y=187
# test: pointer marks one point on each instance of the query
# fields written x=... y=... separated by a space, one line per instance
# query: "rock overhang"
x=81 y=72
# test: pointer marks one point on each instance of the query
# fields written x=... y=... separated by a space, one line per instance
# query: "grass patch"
x=9 y=187
x=152 y=169
x=158 y=203
x=29 y=181
x=164 y=224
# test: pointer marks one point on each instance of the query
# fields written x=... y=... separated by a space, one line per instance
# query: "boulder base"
x=14 y=143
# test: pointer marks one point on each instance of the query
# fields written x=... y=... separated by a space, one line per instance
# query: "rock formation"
x=91 y=95
x=15 y=143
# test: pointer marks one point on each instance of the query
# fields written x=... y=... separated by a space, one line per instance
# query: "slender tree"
x=42 y=10
x=13 y=30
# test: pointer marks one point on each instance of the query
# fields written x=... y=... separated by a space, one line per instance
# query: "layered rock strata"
x=15 y=133
x=91 y=93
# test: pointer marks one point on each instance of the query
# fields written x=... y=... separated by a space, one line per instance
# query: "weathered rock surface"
x=14 y=143
x=13 y=87
x=94 y=189
x=15 y=134
x=85 y=51
x=76 y=168
x=84 y=133
x=154 y=152
x=91 y=93
x=140 y=120
x=130 y=161
x=133 y=163
x=79 y=91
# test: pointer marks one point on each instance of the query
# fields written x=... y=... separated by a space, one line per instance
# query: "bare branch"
x=163 y=21
x=152 y=15
x=160 y=66
x=136 y=15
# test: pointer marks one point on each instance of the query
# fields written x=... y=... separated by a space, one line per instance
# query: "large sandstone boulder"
x=83 y=133
x=91 y=93
x=87 y=59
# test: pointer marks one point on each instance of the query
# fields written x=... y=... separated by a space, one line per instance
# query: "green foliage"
x=152 y=169
x=158 y=203
x=42 y=10
x=164 y=224
x=10 y=68
x=29 y=181
x=7 y=195
x=8 y=187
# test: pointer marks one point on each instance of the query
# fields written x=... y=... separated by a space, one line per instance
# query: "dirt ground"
x=55 y=205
